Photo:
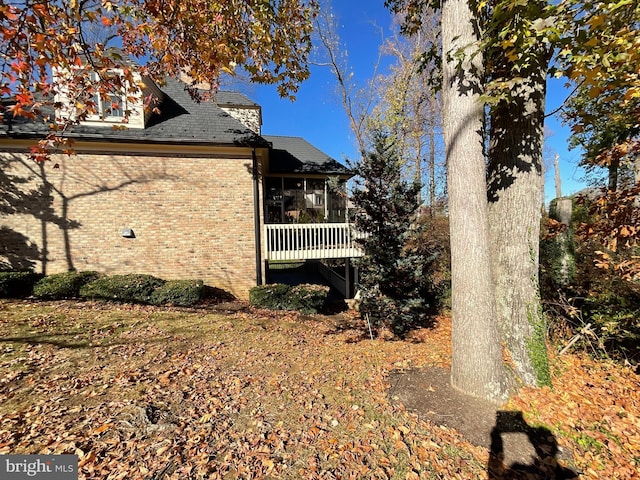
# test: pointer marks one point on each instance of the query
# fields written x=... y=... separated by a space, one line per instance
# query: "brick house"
x=191 y=191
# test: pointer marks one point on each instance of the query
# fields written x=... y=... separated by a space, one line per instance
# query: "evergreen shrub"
x=272 y=296
x=17 y=284
x=181 y=293
x=305 y=298
x=134 y=288
x=397 y=284
x=60 y=286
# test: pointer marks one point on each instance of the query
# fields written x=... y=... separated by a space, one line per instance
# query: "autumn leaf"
x=270 y=40
x=254 y=394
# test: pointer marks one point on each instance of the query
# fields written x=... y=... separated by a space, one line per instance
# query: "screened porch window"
x=303 y=200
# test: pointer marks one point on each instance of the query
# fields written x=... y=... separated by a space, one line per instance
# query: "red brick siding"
x=192 y=217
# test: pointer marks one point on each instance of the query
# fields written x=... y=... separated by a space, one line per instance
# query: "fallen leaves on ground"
x=141 y=392
x=594 y=410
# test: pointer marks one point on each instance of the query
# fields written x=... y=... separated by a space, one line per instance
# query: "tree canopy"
x=599 y=53
x=270 y=40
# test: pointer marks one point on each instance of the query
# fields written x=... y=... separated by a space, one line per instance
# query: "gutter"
x=156 y=140
x=256 y=217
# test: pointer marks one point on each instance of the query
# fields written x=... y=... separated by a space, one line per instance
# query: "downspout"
x=256 y=217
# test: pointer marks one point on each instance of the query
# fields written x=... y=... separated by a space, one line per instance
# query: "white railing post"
x=310 y=241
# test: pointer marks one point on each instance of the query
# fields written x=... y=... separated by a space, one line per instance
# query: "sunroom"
x=305 y=205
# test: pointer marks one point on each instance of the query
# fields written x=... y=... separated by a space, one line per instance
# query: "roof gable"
x=226 y=98
x=180 y=119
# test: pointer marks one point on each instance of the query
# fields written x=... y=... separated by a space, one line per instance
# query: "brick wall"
x=192 y=217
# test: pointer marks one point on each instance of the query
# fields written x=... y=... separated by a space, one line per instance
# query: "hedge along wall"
x=192 y=216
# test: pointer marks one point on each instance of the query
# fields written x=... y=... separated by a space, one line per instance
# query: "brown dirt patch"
x=517 y=449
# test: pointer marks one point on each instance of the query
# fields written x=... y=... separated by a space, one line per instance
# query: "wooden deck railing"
x=304 y=241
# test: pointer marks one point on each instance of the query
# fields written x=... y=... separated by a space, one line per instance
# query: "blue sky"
x=317 y=114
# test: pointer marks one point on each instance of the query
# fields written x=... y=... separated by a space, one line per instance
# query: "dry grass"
x=149 y=393
x=134 y=389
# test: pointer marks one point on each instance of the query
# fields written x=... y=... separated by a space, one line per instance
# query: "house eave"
x=34 y=135
x=107 y=146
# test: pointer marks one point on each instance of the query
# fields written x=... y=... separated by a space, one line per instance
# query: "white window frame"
x=104 y=110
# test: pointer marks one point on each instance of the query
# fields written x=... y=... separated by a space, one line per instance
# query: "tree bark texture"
x=476 y=367
x=432 y=156
x=514 y=192
x=556 y=177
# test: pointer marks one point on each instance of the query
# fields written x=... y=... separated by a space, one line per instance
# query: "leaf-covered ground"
x=141 y=393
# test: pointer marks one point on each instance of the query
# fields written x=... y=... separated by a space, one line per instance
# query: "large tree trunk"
x=476 y=367
x=515 y=170
x=556 y=177
x=432 y=156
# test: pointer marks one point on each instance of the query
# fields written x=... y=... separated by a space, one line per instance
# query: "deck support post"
x=347 y=277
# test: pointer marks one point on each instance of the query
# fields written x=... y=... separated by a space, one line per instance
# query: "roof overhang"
x=139 y=148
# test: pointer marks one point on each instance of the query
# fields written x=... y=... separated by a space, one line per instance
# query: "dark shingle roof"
x=296 y=155
x=181 y=120
x=236 y=99
x=184 y=121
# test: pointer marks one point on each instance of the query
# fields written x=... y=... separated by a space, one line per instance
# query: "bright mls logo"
x=41 y=467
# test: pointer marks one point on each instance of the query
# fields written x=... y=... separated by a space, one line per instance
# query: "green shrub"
x=134 y=288
x=614 y=312
x=277 y=296
x=273 y=296
x=307 y=298
x=63 y=285
x=17 y=284
x=183 y=293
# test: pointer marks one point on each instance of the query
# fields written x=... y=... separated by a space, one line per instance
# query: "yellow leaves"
x=163 y=449
x=101 y=429
x=512 y=55
x=228 y=70
x=268 y=463
x=565 y=52
x=205 y=418
x=595 y=21
x=632 y=93
x=404 y=429
x=628 y=231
